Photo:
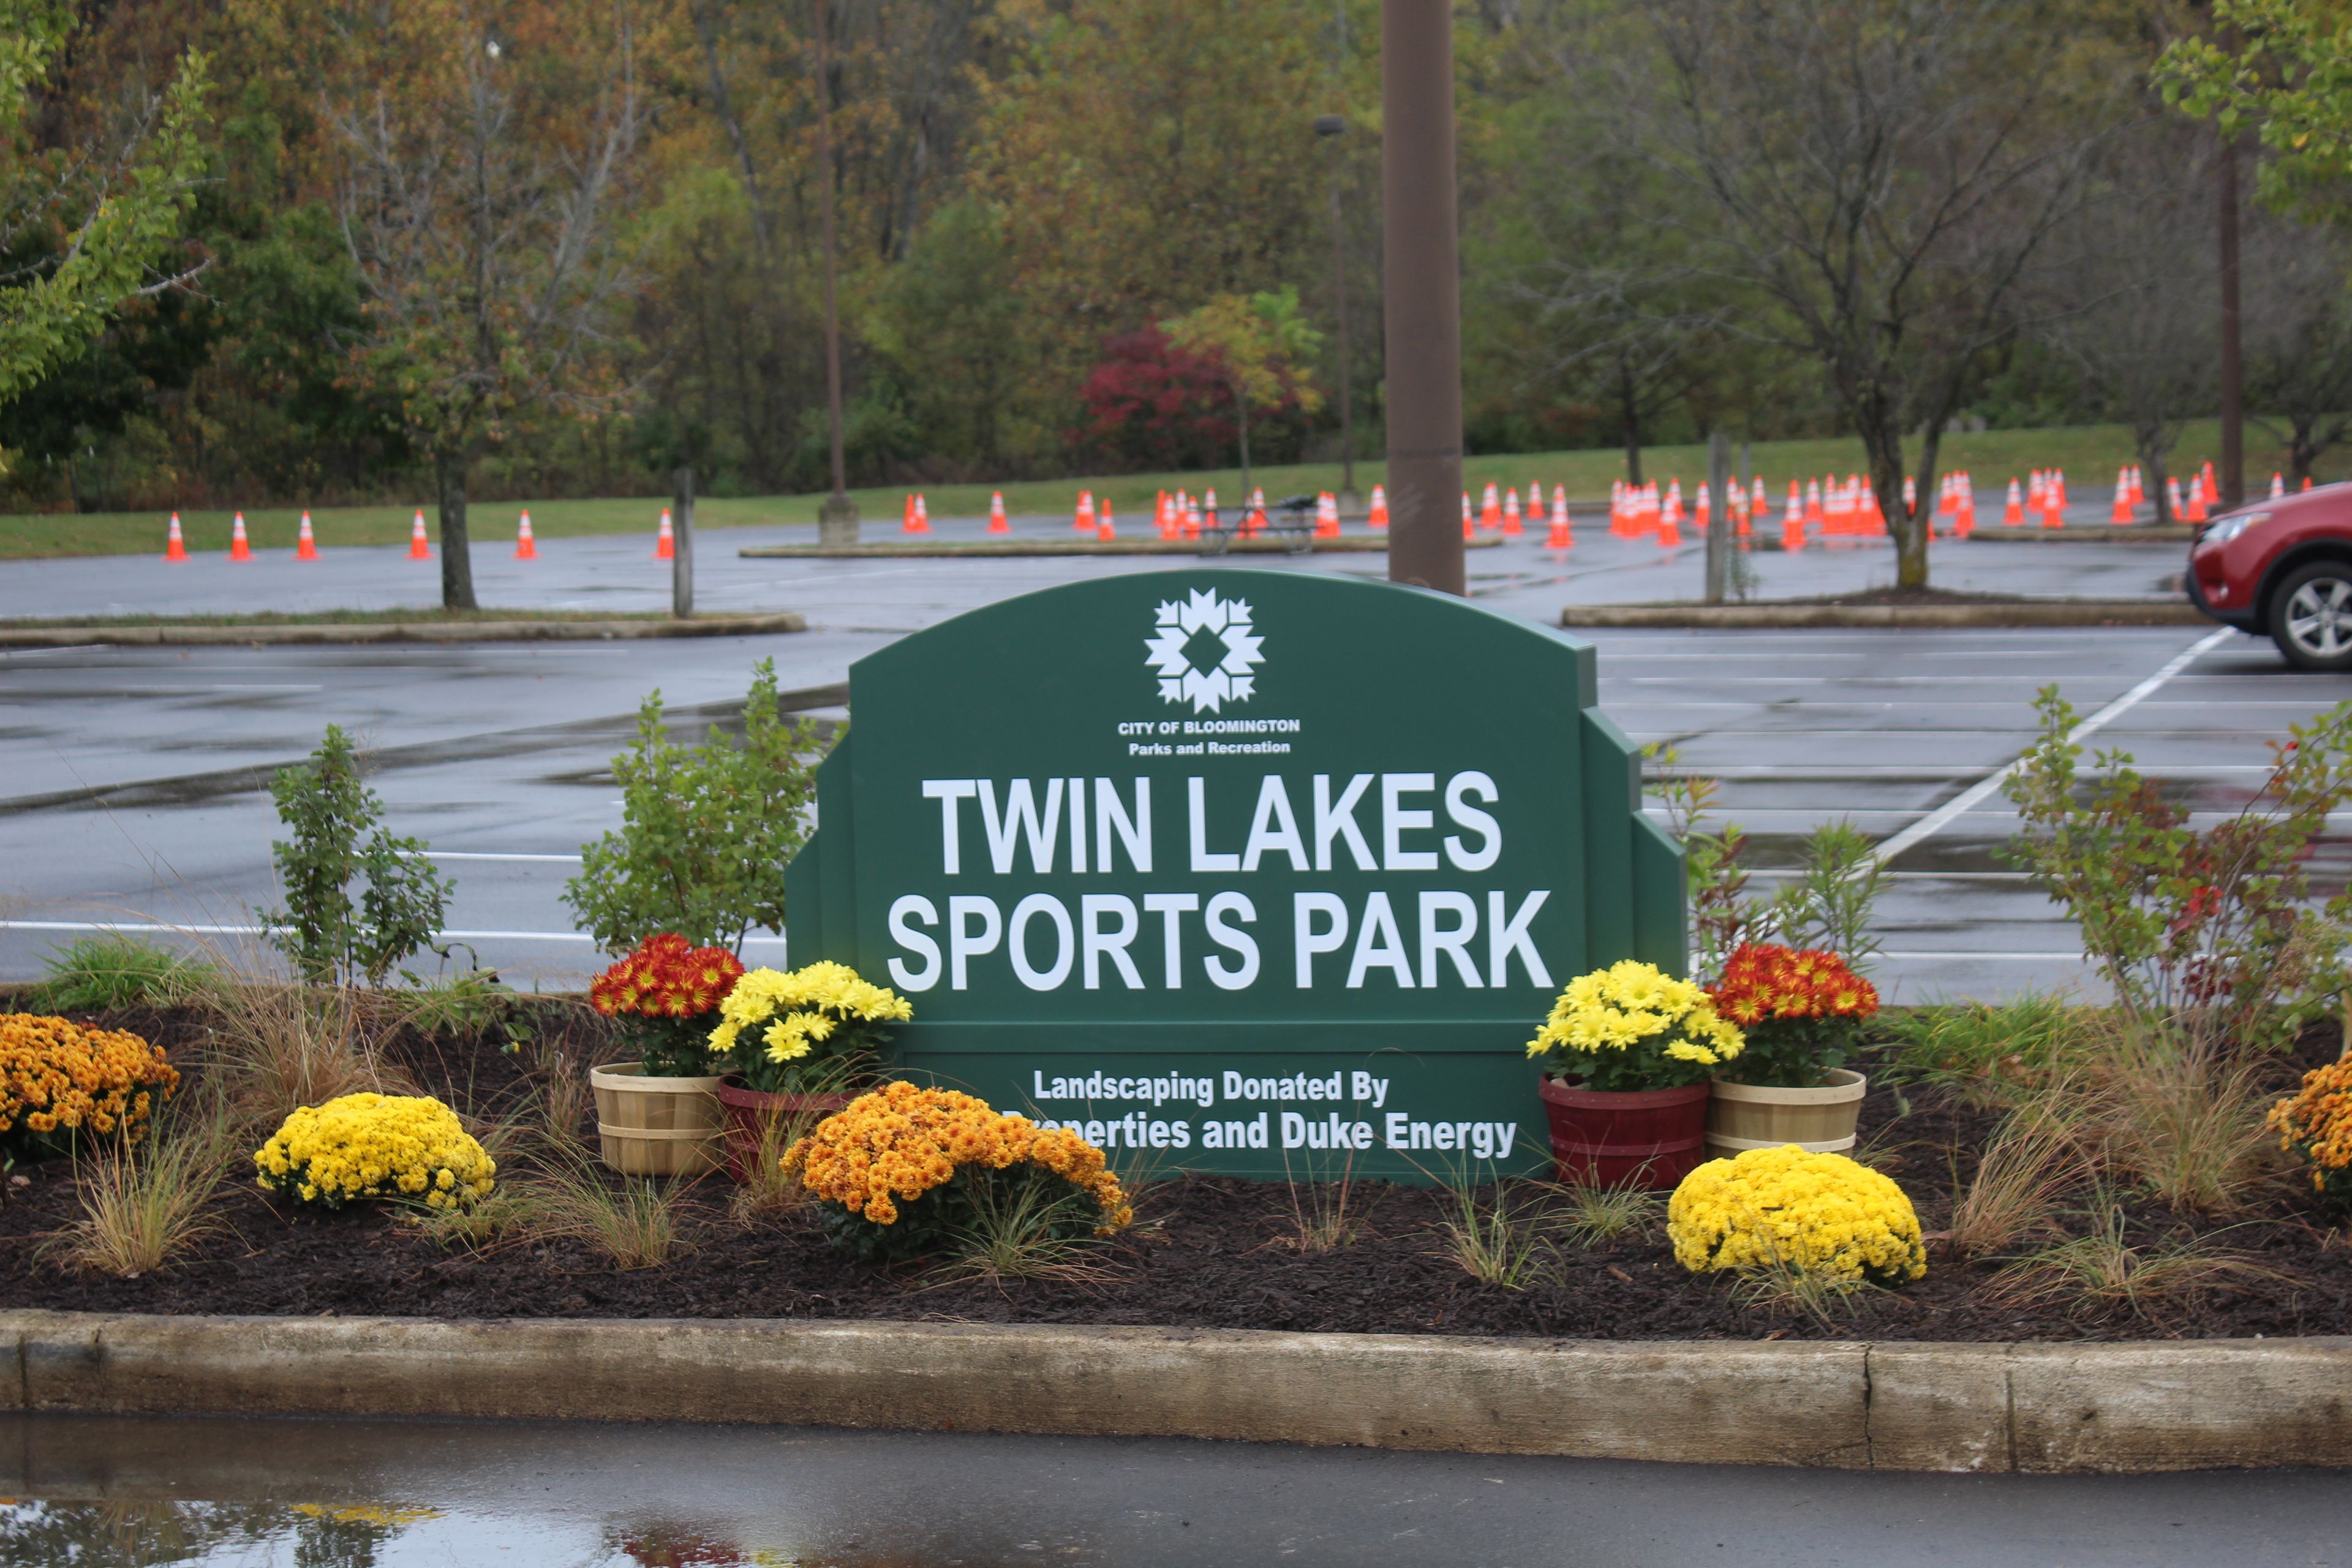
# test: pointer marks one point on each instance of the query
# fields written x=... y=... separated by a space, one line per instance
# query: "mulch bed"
x=1204 y=1253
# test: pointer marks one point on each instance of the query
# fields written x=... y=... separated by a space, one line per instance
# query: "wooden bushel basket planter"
x=1636 y=1137
x=656 y=1126
x=1744 y=1116
x=750 y=1112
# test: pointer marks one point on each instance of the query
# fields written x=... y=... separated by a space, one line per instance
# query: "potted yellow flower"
x=796 y=1043
x=1627 y=1053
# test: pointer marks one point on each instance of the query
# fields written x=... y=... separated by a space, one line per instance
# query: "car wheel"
x=2311 y=616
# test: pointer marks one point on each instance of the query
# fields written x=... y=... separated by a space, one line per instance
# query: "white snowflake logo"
x=1204 y=651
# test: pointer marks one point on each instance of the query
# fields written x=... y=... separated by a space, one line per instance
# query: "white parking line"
x=1959 y=805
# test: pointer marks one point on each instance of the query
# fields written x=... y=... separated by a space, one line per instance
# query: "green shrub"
x=105 y=970
x=706 y=830
x=2209 y=935
x=338 y=837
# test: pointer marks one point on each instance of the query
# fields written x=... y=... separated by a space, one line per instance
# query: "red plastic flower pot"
x=1617 y=1138
x=750 y=1112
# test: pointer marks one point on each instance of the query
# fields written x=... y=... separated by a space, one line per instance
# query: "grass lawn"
x=2090 y=455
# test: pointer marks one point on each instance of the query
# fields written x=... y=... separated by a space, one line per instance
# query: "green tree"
x=706 y=831
x=2283 y=68
x=1260 y=343
x=481 y=169
x=79 y=234
x=338 y=837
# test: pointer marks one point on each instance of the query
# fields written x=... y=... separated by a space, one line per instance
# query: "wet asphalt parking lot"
x=544 y=1496
x=133 y=791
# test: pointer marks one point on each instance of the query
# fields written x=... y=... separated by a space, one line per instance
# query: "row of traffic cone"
x=420 y=544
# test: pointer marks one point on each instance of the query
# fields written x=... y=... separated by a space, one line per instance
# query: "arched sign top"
x=1161 y=836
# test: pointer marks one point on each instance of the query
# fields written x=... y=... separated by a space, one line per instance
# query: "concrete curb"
x=2047 y=613
x=2029 y=1408
x=399 y=631
x=1019 y=547
x=2088 y=533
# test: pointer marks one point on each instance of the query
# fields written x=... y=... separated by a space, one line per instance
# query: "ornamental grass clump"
x=812 y=1030
x=1799 y=1013
x=662 y=997
x=2315 y=1125
x=905 y=1172
x=367 y=1146
x=59 y=1081
x=1821 y=1216
x=1633 y=1027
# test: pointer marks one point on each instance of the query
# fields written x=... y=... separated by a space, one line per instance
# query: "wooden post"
x=1718 y=520
x=681 y=567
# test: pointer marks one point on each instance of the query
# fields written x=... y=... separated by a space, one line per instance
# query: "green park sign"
x=1246 y=872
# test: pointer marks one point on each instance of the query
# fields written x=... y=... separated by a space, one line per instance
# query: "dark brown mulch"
x=1204 y=1253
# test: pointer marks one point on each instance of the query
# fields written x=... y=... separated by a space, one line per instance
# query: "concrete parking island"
x=282 y=634
x=2035 y=1408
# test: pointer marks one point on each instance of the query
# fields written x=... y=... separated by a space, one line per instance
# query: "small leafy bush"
x=706 y=830
x=339 y=839
x=905 y=1172
x=58 y=1079
x=2204 y=935
x=663 y=996
x=365 y=1146
x=1821 y=1216
x=105 y=970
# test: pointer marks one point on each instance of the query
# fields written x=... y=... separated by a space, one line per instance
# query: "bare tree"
x=1883 y=171
x=479 y=190
x=2298 y=326
x=2129 y=293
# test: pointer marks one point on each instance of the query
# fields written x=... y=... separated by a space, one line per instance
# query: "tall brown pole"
x=2233 y=361
x=839 y=512
x=1422 y=309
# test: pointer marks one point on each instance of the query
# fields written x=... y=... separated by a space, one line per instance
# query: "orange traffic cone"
x=1701 y=512
x=2197 y=512
x=1561 y=537
x=906 y=515
x=2053 y=505
x=2278 y=486
x=174 y=547
x=2172 y=492
x=922 y=513
x=526 y=548
x=306 y=545
x=1380 y=517
x=2013 y=514
x=418 y=550
x=1965 y=519
x=1469 y=529
x=1670 y=532
x=996 y=522
x=1814 y=517
x=1327 y=516
x=1083 y=521
x=2120 y=515
x=2139 y=488
x=2209 y=493
x=1793 y=522
x=1511 y=524
x=238 y=550
x=2306 y=481
x=1759 y=506
x=665 y=542
x=1104 y=527
x=1490 y=509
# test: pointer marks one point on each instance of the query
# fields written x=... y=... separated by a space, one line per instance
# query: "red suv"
x=2282 y=569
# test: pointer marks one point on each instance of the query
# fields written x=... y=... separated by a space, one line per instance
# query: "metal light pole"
x=2233 y=361
x=1423 y=306
x=837 y=518
x=1333 y=127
